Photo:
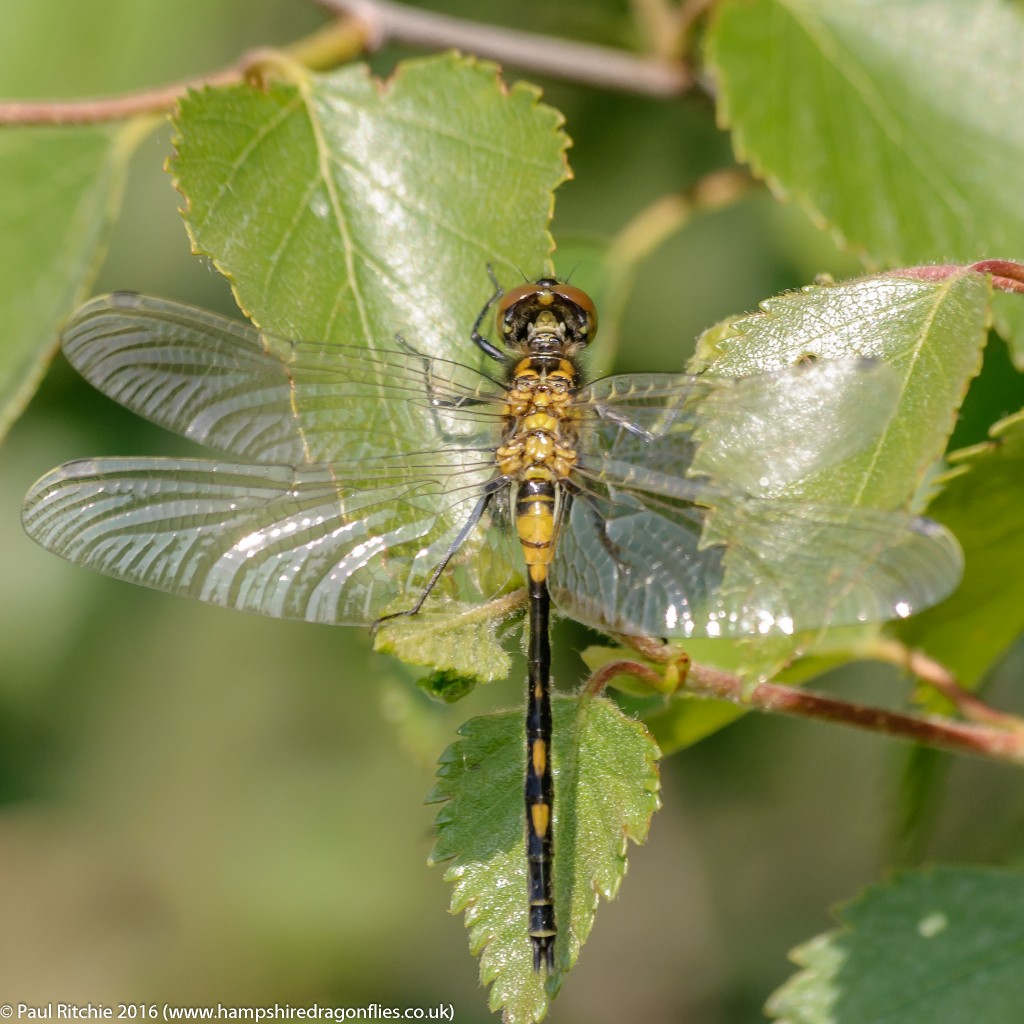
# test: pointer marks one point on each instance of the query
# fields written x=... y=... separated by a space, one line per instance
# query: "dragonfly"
x=356 y=485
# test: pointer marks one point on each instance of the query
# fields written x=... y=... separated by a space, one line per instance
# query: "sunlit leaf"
x=465 y=644
x=930 y=333
x=899 y=124
x=942 y=946
x=347 y=210
x=606 y=786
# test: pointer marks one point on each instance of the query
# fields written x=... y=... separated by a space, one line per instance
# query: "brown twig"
x=991 y=734
x=340 y=40
x=931 y=730
x=939 y=678
x=606 y=673
x=390 y=22
x=364 y=25
x=99 y=109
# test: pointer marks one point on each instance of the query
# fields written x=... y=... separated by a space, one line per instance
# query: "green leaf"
x=606 y=789
x=347 y=211
x=446 y=686
x=899 y=125
x=980 y=501
x=59 y=193
x=689 y=719
x=465 y=643
x=930 y=333
x=1008 y=313
x=930 y=947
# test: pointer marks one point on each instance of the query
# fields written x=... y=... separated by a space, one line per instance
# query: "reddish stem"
x=928 y=729
x=992 y=734
x=1007 y=275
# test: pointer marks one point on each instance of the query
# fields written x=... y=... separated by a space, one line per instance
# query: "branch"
x=1002 y=740
x=931 y=730
x=601 y=66
x=939 y=678
x=363 y=25
x=338 y=41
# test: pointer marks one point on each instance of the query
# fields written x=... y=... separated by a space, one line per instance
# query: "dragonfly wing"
x=751 y=435
x=642 y=563
x=299 y=544
x=832 y=566
x=619 y=566
x=783 y=427
x=259 y=398
x=678 y=528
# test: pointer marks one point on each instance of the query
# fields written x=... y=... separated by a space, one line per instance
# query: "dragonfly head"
x=546 y=317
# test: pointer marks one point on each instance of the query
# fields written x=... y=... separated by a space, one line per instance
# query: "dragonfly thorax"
x=541 y=383
x=539 y=452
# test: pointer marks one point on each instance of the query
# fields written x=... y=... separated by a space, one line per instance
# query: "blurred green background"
x=201 y=806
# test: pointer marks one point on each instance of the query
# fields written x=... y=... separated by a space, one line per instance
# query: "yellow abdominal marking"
x=540 y=756
x=540 y=814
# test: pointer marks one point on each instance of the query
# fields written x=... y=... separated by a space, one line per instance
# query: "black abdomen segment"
x=535 y=520
x=539 y=789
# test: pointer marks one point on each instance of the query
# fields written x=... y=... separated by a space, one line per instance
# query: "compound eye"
x=514 y=295
x=579 y=298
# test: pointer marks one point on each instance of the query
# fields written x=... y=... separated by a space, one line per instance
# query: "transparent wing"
x=678 y=528
x=304 y=544
x=754 y=435
x=264 y=399
x=638 y=562
x=624 y=567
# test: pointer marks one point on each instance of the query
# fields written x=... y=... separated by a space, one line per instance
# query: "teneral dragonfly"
x=365 y=484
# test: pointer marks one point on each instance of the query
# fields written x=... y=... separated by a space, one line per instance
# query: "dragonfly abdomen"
x=539 y=787
x=535 y=519
x=538 y=456
x=536 y=501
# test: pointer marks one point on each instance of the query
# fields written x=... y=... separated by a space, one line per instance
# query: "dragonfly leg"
x=433 y=393
x=489 y=348
x=601 y=529
x=460 y=538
